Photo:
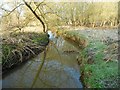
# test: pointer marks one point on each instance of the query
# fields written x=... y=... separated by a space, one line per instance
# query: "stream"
x=60 y=69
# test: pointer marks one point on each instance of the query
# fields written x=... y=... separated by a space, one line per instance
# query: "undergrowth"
x=19 y=47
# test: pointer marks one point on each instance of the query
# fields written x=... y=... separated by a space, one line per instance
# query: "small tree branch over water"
x=44 y=27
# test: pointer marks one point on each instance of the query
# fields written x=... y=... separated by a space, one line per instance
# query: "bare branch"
x=44 y=27
x=37 y=8
x=52 y=12
x=5 y=9
x=41 y=14
x=38 y=5
x=12 y=10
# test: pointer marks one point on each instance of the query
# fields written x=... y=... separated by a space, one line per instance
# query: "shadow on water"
x=54 y=68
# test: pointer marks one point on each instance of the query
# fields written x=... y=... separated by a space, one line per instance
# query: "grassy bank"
x=98 y=60
x=99 y=66
x=19 y=47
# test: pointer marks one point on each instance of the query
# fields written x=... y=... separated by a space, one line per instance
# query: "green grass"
x=6 y=50
x=100 y=70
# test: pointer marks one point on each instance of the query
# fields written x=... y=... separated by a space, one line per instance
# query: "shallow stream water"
x=60 y=69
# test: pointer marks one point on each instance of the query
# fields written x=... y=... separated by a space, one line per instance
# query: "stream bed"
x=60 y=69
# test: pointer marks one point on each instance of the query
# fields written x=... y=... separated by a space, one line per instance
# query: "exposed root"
x=20 y=53
x=29 y=50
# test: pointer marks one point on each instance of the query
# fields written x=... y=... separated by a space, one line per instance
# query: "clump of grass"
x=19 y=47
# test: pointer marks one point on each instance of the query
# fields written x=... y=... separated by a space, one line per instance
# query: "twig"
x=13 y=10
x=5 y=9
x=38 y=5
